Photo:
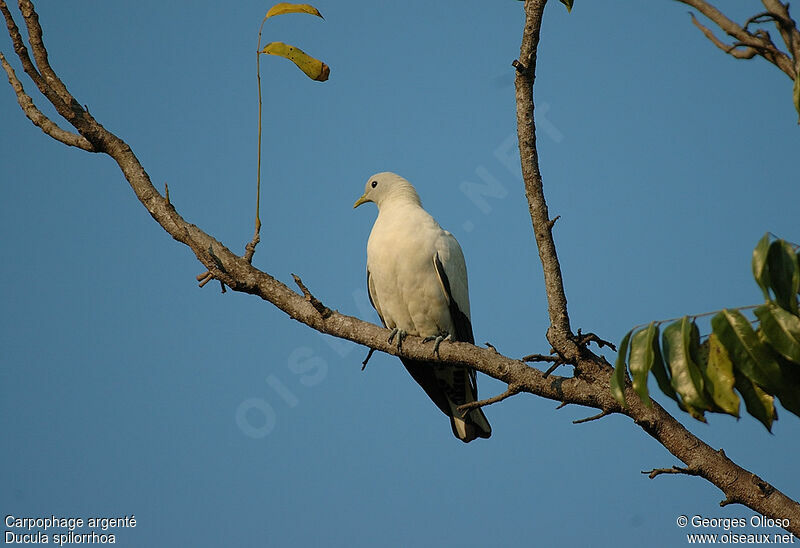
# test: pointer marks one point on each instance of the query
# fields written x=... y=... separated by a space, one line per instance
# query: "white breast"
x=404 y=283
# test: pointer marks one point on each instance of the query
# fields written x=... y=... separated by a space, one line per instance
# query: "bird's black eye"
x=374 y=184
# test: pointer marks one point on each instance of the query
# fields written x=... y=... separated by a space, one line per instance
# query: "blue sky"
x=216 y=420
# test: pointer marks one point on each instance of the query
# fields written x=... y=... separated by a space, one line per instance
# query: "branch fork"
x=749 y=43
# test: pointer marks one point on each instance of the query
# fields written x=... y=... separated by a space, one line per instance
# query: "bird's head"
x=386 y=187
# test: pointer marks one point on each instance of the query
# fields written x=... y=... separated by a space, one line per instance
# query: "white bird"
x=417 y=281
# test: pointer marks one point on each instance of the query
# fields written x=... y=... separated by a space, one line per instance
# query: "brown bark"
x=749 y=43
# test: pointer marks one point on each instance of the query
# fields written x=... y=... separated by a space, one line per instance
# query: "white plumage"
x=417 y=281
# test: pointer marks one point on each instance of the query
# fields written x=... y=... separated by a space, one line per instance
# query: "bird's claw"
x=401 y=335
x=437 y=340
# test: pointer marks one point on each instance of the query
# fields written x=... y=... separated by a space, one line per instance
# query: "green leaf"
x=285 y=7
x=314 y=68
x=660 y=372
x=784 y=274
x=719 y=377
x=618 y=377
x=781 y=330
x=643 y=354
x=758 y=403
x=569 y=3
x=798 y=262
x=797 y=256
x=790 y=390
x=760 y=271
x=748 y=354
x=681 y=341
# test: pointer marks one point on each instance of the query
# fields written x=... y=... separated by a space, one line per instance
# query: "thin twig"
x=584 y=339
x=250 y=248
x=369 y=355
x=674 y=470
x=552 y=368
x=695 y=316
x=324 y=311
x=204 y=278
x=759 y=19
x=552 y=222
x=720 y=19
x=541 y=358
x=747 y=53
x=600 y=415
x=557 y=361
x=512 y=390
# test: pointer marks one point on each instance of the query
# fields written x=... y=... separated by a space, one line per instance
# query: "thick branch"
x=559 y=333
x=236 y=272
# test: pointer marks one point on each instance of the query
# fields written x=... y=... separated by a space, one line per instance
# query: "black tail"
x=449 y=386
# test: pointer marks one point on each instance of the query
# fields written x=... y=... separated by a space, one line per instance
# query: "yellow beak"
x=360 y=201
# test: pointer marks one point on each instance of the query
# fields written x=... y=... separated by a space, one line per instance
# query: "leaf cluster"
x=755 y=361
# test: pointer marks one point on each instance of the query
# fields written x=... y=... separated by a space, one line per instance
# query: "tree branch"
x=49 y=85
x=27 y=64
x=40 y=53
x=511 y=391
x=674 y=470
x=559 y=333
x=786 y=26
x=738 y=484
x=599 y=416
x=38 y=118
x=758 y=42
x=747 y=53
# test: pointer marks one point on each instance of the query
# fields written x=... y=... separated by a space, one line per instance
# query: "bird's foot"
x=400 y=334
x=437 y=340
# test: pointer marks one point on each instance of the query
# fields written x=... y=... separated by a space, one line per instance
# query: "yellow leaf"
x=314 y=68
x=285 y=7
